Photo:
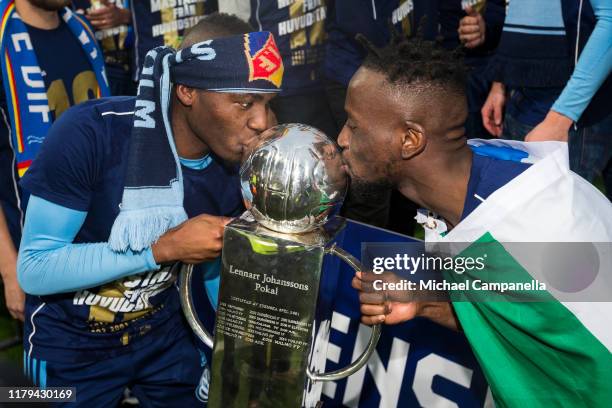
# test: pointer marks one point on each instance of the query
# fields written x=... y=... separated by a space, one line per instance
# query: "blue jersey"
x=164 y=22
x=347 y=18
x=299 y=30
x=531 y=105
x=81 y=166
x=487 y=175
x=66 y=84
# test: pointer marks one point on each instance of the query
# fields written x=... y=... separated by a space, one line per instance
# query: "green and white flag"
x=539 y=348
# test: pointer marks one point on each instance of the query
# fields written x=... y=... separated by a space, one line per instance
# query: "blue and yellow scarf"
x=25 y=90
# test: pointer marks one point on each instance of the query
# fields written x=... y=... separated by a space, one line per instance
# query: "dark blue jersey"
x=66 y=84
x=81 y=165
x=299 y=30
x=373 y=19
x=164 y=22
x=488 y=174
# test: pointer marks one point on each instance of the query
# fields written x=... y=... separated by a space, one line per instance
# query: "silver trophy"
x=279 y=276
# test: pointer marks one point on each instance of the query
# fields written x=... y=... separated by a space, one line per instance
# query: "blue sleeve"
x=594 y=65
x=50 y=263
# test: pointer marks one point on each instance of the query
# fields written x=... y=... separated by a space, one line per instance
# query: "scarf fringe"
x=529 y=73
x=139 y=229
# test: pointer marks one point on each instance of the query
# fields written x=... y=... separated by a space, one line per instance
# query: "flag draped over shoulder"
x=541 y=347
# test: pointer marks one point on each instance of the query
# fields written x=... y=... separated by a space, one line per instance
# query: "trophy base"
x=275 y=291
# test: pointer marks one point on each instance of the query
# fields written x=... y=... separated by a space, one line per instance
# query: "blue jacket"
x=372 y=18
x=435 y=19
x=300 y=36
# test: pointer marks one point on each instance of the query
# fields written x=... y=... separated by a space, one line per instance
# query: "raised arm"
x=592 y=69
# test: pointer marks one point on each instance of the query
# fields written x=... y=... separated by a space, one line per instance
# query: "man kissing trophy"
x=279 y=276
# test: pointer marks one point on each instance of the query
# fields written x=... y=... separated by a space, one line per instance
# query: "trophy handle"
x=376 y=329
x=188 y=308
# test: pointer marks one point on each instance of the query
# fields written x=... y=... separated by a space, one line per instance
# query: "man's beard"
x=369 y=191
x=50 y=5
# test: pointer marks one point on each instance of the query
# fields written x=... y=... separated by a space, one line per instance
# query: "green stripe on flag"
x=533 y=353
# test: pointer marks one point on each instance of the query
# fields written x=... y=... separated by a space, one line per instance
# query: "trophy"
x=279 y=276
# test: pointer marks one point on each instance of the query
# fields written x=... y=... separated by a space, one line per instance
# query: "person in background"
x=476 y=25
x=440 y=20
x=112 y=21
x=533 y=94
x=303 y=49
x=158 y=23
x=344 y=54
x=37 y=87
x=13 y=295
x=299 y=29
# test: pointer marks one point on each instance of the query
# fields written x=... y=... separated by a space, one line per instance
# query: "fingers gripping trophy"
x=279 y=276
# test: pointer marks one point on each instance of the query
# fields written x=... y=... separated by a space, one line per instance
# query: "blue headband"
x=246 y=63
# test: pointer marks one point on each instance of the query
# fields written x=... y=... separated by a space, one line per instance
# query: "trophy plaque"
x=279 y=276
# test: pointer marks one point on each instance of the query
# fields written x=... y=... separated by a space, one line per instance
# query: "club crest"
x=263 y=57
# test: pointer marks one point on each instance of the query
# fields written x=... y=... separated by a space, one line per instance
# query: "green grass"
x=419 y=232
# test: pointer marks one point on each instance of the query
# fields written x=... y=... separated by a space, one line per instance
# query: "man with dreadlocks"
x=406 y=109
x=111 y=190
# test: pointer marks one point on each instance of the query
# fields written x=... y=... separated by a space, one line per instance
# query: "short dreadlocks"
x=416 y=61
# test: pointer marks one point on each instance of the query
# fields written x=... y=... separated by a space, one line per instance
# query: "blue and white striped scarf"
x=152 y=200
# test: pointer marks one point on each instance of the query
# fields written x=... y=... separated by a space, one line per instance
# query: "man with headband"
x=111 y=191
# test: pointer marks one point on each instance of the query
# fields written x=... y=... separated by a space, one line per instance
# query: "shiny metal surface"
x=286 y=375
x=293 y=181
x=188 y=307
x=372 y=343
x=279 y=276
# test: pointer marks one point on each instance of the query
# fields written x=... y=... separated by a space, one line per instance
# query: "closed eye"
x=350 y=125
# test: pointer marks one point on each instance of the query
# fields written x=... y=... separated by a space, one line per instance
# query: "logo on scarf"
x=263 y=58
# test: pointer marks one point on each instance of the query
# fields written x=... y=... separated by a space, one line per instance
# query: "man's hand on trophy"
x=197 y=240
x=381 y=305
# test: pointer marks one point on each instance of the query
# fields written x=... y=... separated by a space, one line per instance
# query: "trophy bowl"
x=292 y=179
